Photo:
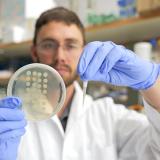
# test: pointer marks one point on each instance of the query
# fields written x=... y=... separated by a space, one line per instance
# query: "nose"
x=60 y=54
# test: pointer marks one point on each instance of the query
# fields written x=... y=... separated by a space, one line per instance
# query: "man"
x=99 y=130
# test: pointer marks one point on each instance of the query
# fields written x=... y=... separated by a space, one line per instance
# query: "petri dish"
x=41 y=89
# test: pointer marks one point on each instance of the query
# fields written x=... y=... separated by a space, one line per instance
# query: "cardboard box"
x=156 y=4
x=145 y=7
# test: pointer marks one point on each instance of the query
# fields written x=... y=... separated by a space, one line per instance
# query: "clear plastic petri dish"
x=41 y=89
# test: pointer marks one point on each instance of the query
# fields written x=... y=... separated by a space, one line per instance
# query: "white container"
x=143 y=50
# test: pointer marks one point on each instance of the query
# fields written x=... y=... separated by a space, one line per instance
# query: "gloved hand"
x=12 y=125
x=114 y=64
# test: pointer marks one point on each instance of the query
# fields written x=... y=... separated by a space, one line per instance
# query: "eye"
x=71 y=46
x=48 y=46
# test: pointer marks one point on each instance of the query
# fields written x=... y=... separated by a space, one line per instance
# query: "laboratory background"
x=133 y=23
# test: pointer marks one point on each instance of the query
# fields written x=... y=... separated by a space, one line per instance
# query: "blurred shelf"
x=15 y=49
x=4 y=77
x=4 y=81
x=121 y=31
x=127 y=30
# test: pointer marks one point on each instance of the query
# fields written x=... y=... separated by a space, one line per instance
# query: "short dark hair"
x=59 y=14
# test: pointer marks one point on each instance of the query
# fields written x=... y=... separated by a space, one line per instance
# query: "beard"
x=69 y=80
x=72 y=75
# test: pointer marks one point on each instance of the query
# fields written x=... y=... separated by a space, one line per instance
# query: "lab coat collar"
x=77 y=108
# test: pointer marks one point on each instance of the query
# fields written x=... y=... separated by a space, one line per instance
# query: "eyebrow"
x=72 y=40
x=48 y=39
x=67 y=40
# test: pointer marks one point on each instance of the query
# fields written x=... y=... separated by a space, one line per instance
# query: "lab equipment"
x=41 y=89
x=143 y=49
x=12 y=125
x=127 y=8
x=85 y=84
x=114 y=64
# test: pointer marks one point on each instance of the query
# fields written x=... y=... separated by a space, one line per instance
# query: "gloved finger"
x=110 y=77
x=8 y=149
x=10 y=102
x=11 y=125
x=87 y=55
x=12 y=134
x=114 y=56
x=7 y=114
x=98 y=59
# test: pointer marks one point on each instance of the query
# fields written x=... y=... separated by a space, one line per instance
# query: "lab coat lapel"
x=77 y=108
x=56 y=120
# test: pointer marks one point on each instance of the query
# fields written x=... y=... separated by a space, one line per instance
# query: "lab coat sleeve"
x=138 y=138
x=154 y=119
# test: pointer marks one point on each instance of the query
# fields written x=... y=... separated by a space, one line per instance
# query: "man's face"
x=59 y=45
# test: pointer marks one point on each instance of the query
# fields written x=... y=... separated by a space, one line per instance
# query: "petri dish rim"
x=43 y=66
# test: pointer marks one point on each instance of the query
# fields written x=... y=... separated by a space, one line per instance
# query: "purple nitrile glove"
x=12 y=125
x=116 y=65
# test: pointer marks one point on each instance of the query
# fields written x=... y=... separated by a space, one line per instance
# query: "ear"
x=34 y=53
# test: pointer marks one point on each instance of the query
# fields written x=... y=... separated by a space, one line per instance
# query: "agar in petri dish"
x=41 y=89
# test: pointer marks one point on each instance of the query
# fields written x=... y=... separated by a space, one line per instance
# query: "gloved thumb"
x=10 y=102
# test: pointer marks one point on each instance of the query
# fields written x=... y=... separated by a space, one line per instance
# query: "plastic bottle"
x=127 y=8
x=143 y=50
x=156 y=49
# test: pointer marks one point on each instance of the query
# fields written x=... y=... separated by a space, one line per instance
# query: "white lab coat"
x=101 y=130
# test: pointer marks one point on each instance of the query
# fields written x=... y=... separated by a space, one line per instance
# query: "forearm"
x=152 y=95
